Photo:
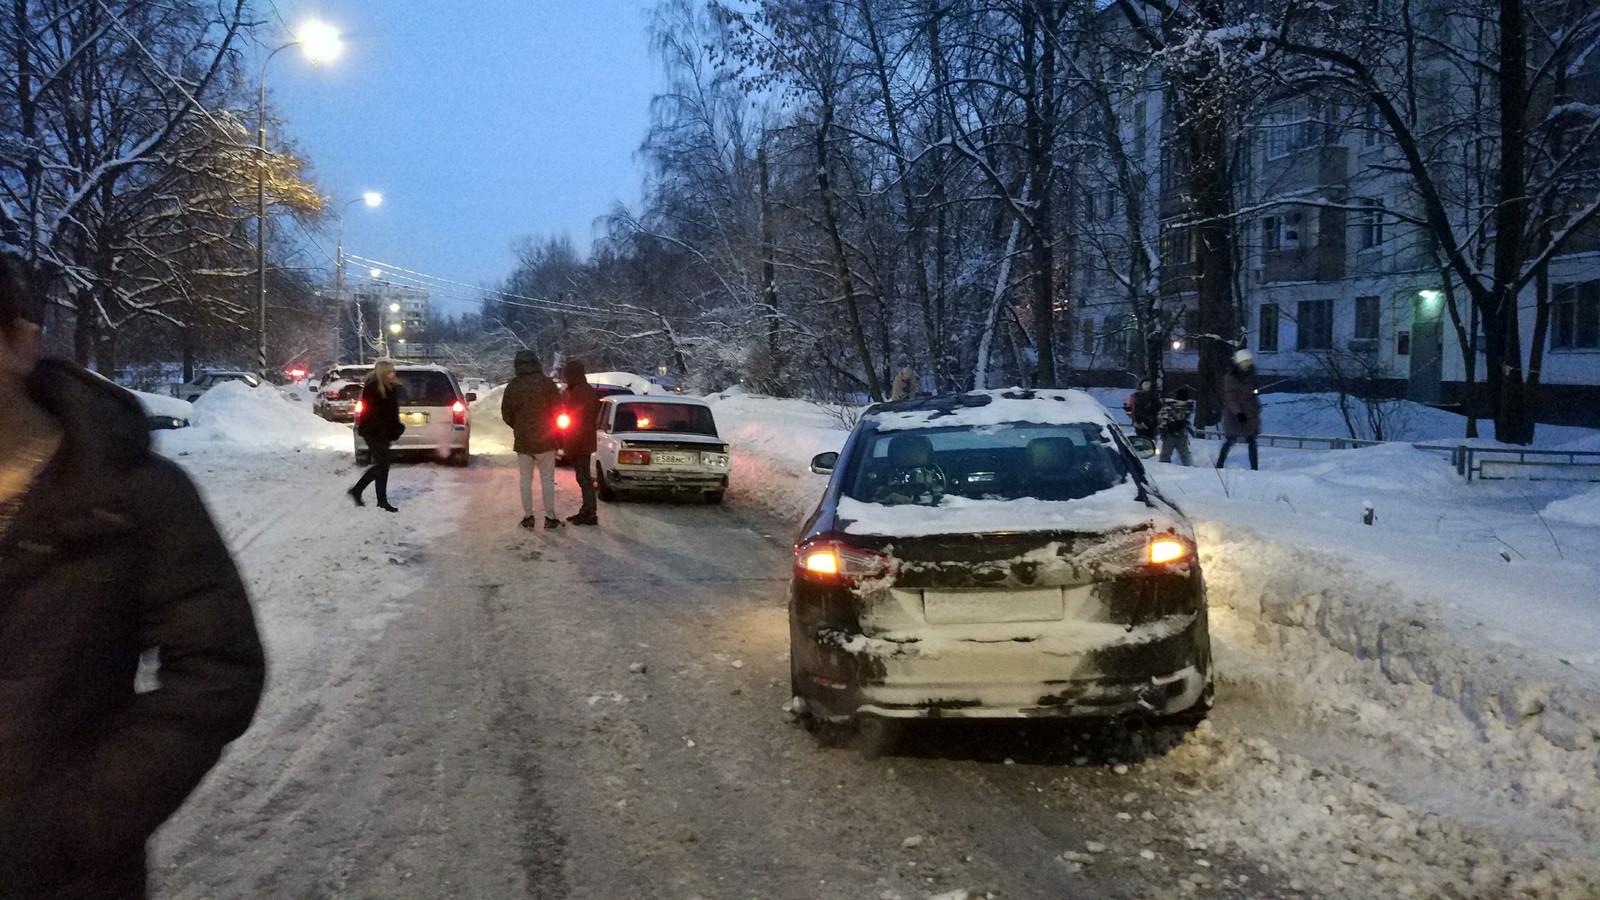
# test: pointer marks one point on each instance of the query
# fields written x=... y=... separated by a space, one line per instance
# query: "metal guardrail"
x=1499 y=463
x=1297 y=442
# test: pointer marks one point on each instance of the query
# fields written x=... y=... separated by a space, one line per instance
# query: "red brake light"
x=633 y=457
x=836 y=561
x=458 y=412
x=563 y=421
x=359 y=407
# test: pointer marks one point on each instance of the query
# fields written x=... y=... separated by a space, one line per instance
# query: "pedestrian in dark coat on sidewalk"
x=530 y=405
x=582 y=404
x=1241 y=407
x=1145 y=408
x=106 y=553
x=379 y=425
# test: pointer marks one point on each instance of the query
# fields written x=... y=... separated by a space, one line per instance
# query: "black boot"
x=355 y=494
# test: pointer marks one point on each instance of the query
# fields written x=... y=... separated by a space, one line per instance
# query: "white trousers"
x=546 y=464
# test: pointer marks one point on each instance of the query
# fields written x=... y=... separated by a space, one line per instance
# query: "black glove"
x=1241 y=418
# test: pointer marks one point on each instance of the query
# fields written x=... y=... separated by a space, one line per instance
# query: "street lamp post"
x=372 y=199
x=320 y=42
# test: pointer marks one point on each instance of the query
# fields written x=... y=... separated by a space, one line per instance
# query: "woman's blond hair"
x=384 y=374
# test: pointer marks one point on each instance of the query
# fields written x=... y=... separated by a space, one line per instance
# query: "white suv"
x=434 y=411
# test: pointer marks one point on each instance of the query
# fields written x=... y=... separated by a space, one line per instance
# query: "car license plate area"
x=414 y=418
x=991 y=607
x=674 y=458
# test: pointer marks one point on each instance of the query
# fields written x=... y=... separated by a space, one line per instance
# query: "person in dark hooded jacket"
x=530 y=405
x=107 y=554
x=582 y=404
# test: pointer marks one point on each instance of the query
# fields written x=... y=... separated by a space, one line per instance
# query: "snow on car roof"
x=657 y=398
x=1046 y=407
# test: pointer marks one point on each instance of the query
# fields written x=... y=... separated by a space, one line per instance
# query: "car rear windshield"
x=426 y=389
x=678 y=417
x=1004 y=461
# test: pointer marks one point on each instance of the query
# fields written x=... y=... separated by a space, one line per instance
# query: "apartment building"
x=1337 y=282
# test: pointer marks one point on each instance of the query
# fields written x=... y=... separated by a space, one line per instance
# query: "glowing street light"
x=319 y=42
x=372 y=199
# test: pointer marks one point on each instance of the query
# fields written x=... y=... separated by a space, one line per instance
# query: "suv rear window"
x=1004 y=461
x=426 y=389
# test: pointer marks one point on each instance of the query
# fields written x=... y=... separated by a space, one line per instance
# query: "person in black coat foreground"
x=379 y=425
x=106 y=553
x=582 y=405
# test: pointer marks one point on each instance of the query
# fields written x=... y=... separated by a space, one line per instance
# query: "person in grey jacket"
x=107 y=554
x=530 y=405
x=1241 y=407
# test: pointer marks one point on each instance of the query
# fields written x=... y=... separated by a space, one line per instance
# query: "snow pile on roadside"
x=163 y=405
x=773 y=442
x=235 y=416
x=1478 y=738
x=1580 y=509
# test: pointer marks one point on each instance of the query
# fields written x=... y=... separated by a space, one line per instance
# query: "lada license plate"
x=675 y=458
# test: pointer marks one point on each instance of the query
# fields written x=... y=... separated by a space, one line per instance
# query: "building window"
x=1575 y=324
x=1314 y=325
x=1292 y=129
x=1367 y=319
x=1369 y=222
x=1372 y=127
x=1088 y=335
x=1267 y=339
x=1177 y=245
x=1269 y=234
x=1138 y=130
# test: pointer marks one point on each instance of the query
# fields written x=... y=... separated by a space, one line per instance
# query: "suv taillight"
x=835 y=562
x=359 y=408
x=458 y=412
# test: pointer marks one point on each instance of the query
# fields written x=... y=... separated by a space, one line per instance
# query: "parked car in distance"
x=995 y=554
x=475 y=387
x=337 y=392
x=433 y=408
x=206 y=379
x=659 y=443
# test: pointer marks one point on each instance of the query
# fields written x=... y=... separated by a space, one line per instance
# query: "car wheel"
x=602 y=486
x=460 y=458
x=363 y=457
x=714 y=496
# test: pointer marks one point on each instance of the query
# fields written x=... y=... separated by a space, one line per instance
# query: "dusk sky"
x=480 y=123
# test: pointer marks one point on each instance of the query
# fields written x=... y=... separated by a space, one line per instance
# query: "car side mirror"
x=472 y=396
x=1143 y=447
x=823 y=463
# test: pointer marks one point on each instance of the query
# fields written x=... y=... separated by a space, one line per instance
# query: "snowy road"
x=454 y=711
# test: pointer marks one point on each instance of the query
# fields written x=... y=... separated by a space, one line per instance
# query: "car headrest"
x=910 y=451
x=1055 y=458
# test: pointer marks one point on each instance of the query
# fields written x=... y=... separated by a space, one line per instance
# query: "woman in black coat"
x=379 y=425
x=106 y=553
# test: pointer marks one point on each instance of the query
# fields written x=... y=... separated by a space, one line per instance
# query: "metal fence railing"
x=1498 y=463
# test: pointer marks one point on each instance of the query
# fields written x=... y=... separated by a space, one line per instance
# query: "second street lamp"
x=372 y=199
x=320 y=43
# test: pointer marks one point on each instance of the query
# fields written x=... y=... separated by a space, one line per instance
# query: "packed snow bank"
x=164 y=405
x=234 y=416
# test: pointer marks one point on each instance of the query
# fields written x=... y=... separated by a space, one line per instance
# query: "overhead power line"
x=402 y=273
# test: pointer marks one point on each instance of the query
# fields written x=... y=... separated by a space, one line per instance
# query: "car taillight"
x=633 y=457
x=563 y=421
x=1166 y=550
x=360 y=407
x=833 y=561
x=458 y=412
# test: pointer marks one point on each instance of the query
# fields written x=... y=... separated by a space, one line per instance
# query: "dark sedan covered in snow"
x=995 y=554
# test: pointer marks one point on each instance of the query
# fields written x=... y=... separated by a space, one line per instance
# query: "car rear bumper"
x=640 y=480
x=428 y=439
x=1064 y=669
